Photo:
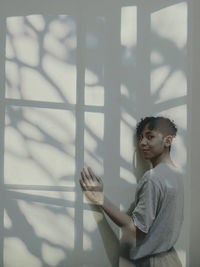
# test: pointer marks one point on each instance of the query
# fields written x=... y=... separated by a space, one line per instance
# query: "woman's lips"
x=145 y=150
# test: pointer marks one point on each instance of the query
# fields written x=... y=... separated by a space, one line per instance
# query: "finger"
x=84 y=178
x=99 y=180
x=86 y=187
x=87 y=175
x=91 y=173
x=83 y=185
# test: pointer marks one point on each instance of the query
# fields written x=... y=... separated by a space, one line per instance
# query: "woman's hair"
x=165 y=125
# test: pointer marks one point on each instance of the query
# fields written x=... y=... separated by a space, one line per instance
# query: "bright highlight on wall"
x=41 y=58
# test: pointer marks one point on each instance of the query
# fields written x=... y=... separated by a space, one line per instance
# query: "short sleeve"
x=145 y=211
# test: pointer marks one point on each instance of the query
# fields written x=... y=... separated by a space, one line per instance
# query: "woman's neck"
x=165 y=158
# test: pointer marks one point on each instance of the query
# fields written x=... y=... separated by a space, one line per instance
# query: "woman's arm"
x=117 y=216
x=93 y=189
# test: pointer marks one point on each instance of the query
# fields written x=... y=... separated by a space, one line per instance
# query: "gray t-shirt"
x=158 y=211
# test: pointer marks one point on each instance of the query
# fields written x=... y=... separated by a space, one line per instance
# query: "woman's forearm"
x=118 y=217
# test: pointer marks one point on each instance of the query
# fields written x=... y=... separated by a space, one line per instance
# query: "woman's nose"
x=143 y=141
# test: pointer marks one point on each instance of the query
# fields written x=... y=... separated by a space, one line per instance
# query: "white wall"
x=78 y=76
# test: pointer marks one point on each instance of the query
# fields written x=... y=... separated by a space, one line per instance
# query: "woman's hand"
x=92 y=186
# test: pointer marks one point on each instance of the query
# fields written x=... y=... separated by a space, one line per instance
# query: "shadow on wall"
x=75 y=86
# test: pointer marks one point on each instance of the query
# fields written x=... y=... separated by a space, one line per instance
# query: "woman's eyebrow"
x=149 y=132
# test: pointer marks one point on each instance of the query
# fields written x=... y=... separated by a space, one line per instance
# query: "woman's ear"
x=168 y=140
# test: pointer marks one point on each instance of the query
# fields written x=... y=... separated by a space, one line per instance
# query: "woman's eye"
x=140 y=138
x=150 y=136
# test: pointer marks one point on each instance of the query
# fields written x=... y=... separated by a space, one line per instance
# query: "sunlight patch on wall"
x=124 y=91
x=158 y=77
x=175 y=86
x=7 y=220
x=128 y=35
x=93 y=140
x=90 y=228
x=41 y=58
x=91 y=219
x=127 y=125
x=178 y=114
x=51 y=224
x=168 y=85
x=21 y=256
x=45 y=228
x=59 y=29
x=171 y=23
x=168 y=56
x=179 y=152
x=92 y=237
x=127 y=175
x=35 y=82
x=52 y=255
x=128 y=30
x=62 y=77
x=95 y=60
x=94 y=93
x=156 y=57
x=39 y=146
x=87 y=242
x=37 y=21
x=23 y=42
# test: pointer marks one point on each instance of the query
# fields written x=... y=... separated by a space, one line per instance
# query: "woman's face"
x=152 y=143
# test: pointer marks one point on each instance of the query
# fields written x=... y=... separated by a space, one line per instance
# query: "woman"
x=152 y=227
